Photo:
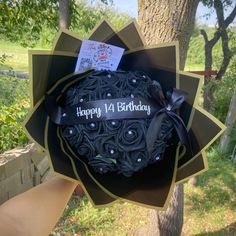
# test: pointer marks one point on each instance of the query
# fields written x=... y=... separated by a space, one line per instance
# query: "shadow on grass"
x=229 y=230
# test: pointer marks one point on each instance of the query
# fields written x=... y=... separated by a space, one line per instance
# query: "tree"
x=221 y=33
x=166 y=21
x=229 y=122
x=64 y=14
x=24 y=20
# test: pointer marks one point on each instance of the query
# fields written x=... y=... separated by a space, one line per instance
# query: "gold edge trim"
x=183 y=152
x=67 y=32
x=210 y=142
x=130 y=22
x=58 y=35
x=27 y=118
x=61 y=144
x=172 y=186
x=191 y=118
x=46 y=144
x=168 y=198
x=72 y=162
x=99 y=25
x=200 y=85
x=139 y=32
x=177 y=81
x=52 y=53
x=74 y=169
x=145 y=47
x=77 y=175
x=207 y=114
x=30 y=62
x=91 y=176
x=211 y=117
x=80 y=76
x=177 y=58
x=136 y=25
x=177 y=65
x=130 y=201
x=63 y=176
x=206 y=167
x=195 y=102
x=81 y=184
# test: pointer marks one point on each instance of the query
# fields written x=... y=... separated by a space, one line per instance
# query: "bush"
x=14 y=102
x=11 y=130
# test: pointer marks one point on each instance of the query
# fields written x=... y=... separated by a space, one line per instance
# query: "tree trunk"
x=64 y=14
x=229 y=122
x=164 y=21
x=167 y=21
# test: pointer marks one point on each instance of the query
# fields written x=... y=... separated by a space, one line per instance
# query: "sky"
x=131 y=7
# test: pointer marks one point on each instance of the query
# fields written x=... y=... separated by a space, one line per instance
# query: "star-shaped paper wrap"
x=52 y=71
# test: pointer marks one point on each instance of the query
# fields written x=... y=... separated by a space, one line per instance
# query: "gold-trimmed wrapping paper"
x=51 y=71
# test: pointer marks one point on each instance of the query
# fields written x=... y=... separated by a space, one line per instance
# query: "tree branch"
x=204 y=34
x=227 y=54
x=231 y=17
x=223 y=23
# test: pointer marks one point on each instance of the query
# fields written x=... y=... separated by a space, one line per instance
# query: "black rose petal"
x=102 y=165
x=132 y=162
x=107 y=147
x=161 y=144
x=157 y=154
x=113 y=125
x=88 y=83
x=125 y=166
x=73 y=134
x=92 y=129
x=108 y=92
x=131 y=136
x=86 y=149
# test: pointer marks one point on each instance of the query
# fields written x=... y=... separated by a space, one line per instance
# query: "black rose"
x=86 y=148
x=106 y=146
x=133 y=162
x=92 y=129
x=108 y=92
x=73 y=134
x=88 y=83
x=158 y=152
x=113 y=125
x=134 y=80
x=108 y=78
x=131 y=136
x=139 y=159
x=125 y=165
x=165 y=133
x=166 y=128
x=102 y=164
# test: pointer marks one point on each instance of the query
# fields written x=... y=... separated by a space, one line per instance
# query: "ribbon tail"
x=153 y=131
x=180 y=128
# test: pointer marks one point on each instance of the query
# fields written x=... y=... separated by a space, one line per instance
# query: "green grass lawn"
x=210 y=208
x=17 y=56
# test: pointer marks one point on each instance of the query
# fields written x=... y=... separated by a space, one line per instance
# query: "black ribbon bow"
x=168 y=105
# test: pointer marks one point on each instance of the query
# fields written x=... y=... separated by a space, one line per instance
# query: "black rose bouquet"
x=131 y=133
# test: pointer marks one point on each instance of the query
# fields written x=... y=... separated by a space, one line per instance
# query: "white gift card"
x=97 y=55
